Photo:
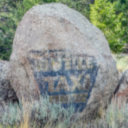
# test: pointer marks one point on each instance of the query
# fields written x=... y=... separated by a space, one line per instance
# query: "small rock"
x=121 y=92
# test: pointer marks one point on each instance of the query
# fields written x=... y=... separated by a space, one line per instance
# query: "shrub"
x=7 y=28
x=103 y=15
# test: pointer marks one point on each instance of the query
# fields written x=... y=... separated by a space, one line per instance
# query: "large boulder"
x=58 y=52
x=7 y=93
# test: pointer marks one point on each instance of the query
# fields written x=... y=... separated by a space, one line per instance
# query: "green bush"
x=11 y=13
x=7 y=28
x=103 y=15
x=122 y=7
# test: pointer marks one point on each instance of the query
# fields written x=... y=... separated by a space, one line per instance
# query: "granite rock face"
x=58 y=52
x=7 y=93
x=121 y=92
x=124 y=81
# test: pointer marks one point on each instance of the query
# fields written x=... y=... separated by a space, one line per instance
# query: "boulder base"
x=7 y=93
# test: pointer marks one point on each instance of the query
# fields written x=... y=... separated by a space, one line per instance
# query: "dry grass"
x=114 y=117
x=122 y=61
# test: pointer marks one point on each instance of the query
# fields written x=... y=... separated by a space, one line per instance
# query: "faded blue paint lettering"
x=43 y=78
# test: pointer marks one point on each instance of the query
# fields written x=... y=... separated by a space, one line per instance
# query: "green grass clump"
x=40 y=113
x=44 y=114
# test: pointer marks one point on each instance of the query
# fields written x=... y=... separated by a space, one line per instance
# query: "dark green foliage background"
x=112 y=18
x=109 y=15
